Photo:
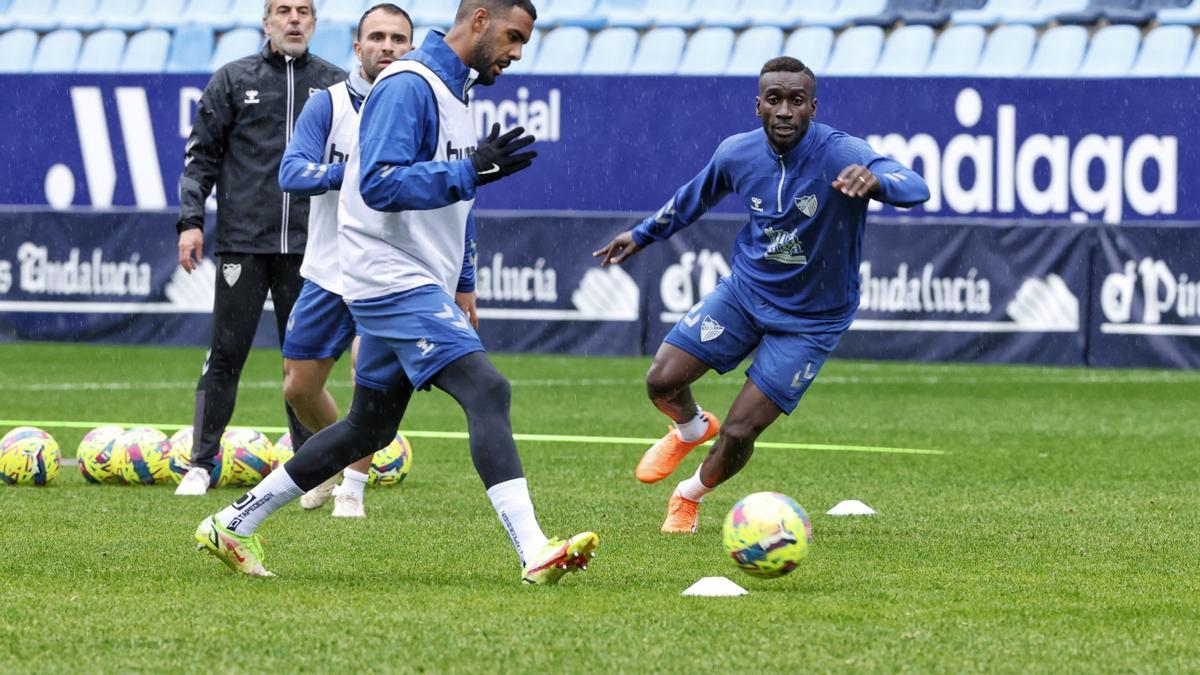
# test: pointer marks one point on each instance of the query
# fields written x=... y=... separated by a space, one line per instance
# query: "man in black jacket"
x=243 y=123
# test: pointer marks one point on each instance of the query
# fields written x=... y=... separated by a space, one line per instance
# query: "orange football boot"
x=662 y=457
x=683 y=515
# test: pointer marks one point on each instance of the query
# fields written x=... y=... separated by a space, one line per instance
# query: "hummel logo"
x=802 y=376
x=425 y=346
x=494 y=168
x=693 y=316
x=456 y=319
x=252 y=96
x=756 y=204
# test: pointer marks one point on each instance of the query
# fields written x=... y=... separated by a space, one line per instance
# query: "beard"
x=481 y=60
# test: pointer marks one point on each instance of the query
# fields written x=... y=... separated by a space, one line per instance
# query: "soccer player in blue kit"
x=320 y=327
x=402 y=215
x=795 y=283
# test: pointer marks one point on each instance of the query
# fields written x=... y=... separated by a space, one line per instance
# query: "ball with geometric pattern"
x=181 y=458
x=767 y=534
x=28 y=456
x=283 y=451
x=143 y=455
x=390 y=466
x=246 y=456
x=95 y=454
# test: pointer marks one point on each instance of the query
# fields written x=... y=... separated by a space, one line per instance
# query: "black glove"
x=497 y=156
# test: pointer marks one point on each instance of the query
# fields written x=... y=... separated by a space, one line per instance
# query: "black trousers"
x=243 y=280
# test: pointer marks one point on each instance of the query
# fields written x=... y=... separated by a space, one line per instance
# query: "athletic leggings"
x=375 y=416
x=242 y=283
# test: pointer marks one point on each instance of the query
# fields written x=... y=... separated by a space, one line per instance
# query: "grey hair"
x=267 y=8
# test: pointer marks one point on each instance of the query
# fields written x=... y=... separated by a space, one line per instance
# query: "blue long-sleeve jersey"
x=305 y=169
x=802 y=245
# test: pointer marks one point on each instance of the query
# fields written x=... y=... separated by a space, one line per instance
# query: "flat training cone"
x=715 y=587
x=850 y=507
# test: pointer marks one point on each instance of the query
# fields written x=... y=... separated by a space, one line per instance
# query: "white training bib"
x=388 y=252
x=321 y=265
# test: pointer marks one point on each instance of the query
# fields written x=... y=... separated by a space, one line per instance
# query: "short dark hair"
x=466 y=7
x=788 y=64
x=381 y=7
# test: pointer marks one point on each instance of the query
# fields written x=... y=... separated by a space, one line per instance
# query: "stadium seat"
x=191 y=49
x=906 y=51
x=754 y=47
x=1007 y=51
x=1059 y=52
x=123 y=15
x=856 y=51
x=672 y=14
x=164 y=13
x=818 y=13
x=333 y=41
x=624 y=13
x=957 y=51
x=344 y=12
x=146 y=52
x=1188 y=16
x=811 y=45
x=529 y=54
x=216 y=14
x=79 y=14
x=938 y=14
x=38 y=15
x=865 y=12
x=1164 y=52
x=659 y=52
x=247 y=14
x=611 y=52
x=58 y=52
x=778 y=13
x=102 y=52
x=992 y=13
x=438 y=13
x=707 y=52
x=234 y=45
x=720 y=13
x=16 y=50
x=1046 y=12
x=570 y=13
x=562 y=51
x=1111 y=52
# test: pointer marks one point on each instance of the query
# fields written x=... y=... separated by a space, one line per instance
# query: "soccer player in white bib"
x=405 y=204
x=320 y=327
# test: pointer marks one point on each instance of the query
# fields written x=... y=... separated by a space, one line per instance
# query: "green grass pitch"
x=1058 y=533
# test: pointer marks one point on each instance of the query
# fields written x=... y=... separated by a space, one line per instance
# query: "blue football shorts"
x=412 y=334
x=319 y=327
x=732 y=321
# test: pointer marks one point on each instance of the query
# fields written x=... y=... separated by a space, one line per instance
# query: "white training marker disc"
x=850 y=507
x=715 y=587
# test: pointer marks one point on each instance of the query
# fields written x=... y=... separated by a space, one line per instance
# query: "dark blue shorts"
x=731 y=322
x=413 y=334
x=319 y=327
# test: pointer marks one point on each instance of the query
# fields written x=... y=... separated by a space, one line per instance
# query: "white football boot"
x=194 y=483
x=346 y=505
x=316 y=497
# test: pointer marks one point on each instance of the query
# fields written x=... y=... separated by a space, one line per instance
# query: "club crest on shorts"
x=710 y=329
x=807 y=205
x=231 y=272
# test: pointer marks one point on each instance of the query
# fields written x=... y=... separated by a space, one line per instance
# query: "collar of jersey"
x=796 y=153
x=445 y=63
x=277 y=59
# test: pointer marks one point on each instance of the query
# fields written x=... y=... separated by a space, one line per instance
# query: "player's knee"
x=299 y=390
x=740 y=434
x=659 y=385
x=494 y=391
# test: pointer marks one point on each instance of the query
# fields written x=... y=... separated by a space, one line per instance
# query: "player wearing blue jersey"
x=795 y=283
x=403 y=211
x=320 y=327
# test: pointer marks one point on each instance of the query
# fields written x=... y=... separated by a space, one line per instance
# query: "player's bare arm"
x=620 y=249
x=467 y=303
x=857 y=182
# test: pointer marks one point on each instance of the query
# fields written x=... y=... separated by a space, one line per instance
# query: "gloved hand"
x=497 y=156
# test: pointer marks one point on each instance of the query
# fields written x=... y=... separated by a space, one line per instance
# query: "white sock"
x=515 y=509
x=243 y=516
x=353 y=482
x=693 y=488
x=694 y=428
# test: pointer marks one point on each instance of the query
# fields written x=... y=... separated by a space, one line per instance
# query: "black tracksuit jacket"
x=243 y=123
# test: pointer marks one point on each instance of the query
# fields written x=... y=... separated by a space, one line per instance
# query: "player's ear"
x=814 y=107
x=758 y=106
